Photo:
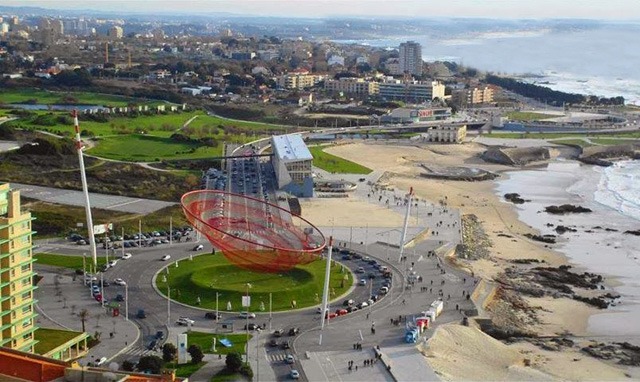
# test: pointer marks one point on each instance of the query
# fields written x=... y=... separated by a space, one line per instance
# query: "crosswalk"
x=136 y=352
x=277 y=356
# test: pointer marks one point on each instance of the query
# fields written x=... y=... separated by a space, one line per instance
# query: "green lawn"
x=574 y=142
x=50 y=97
x=528 y=116
x=207 y=274
x=151 y=148
x=224 y=376
x=205 y=340
x=613 y=141
x=73 y=262
x=334 y=164
x=52 y=338
x=184 y=370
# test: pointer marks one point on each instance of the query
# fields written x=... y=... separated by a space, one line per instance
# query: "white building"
x=292 y=162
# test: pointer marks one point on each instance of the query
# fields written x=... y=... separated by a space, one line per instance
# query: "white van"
x=101 y=361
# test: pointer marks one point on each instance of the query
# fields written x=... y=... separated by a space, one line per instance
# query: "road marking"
x=361 y=338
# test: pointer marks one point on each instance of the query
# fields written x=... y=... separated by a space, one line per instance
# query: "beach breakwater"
x=516 y=156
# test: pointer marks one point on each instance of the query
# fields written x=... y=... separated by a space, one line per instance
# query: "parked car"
x=141 y=314
x=119 y=297
x=185 y=321
x=341 y=312
x=363 y=304
x=251 y=326
x=274 y=343
x=351 y=309
x=152 y=345
x=126 y=256
x=330 y=316
x=371 y=276
x=160 y=335
x=247 y=315
x=362 y=282
x=293 y=331
x=198 y=247
x=289 y=359
x=348 y=302
x=213 y=316
x=101 y=361
x=360 y=270
x=285 y=345
x=278 y=332
x=384 y=290
x=294 y=374
x=166 y=258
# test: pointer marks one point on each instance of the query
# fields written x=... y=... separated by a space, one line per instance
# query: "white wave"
x=619 y=188
x=514 y=34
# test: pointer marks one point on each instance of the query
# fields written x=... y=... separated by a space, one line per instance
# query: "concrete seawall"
x=516 y=156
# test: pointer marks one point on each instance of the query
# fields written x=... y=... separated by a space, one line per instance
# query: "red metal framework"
x=253 y=233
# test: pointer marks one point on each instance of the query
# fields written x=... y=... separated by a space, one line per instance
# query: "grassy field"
x=205 y=340
x=574 y=142
x=185 y=370
x=50 y=98
x=52 y=338
x=65 y=261
x=151 y=148
x=613 y=141
x=528 y=116
x=205 y=275
x=334 y=164
x=224 y=376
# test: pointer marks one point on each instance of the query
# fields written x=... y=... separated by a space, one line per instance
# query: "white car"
x=185 y=321
x=166 y=257
x=294 y=374
x=119 y=282
x=112 y=263
x=362 y=282
x=247 y=315
x=126 y=256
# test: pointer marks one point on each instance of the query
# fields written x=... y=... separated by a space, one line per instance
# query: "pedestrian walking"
x=356 y=367
x=403 y=302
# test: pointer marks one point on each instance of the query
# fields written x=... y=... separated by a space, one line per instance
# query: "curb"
x=41 y=311
x=132 y=344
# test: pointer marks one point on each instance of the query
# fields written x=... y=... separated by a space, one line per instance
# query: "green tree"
x=196 y=353
x=169 y=352
x=233 y=361
x=151 y=363
x=128 y=366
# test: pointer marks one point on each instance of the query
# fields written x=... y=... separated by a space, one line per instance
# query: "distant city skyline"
x=500 y=9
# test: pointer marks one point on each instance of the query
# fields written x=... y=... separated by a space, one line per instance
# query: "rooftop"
x=290 y=147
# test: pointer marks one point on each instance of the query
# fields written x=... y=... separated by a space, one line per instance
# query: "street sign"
x=246 y=301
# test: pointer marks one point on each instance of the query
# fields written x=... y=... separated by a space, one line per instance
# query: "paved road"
x=104 y=201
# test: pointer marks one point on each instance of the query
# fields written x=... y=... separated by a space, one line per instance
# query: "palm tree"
x=84 y=315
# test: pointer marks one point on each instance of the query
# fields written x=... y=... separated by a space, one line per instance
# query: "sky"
x=502 y=9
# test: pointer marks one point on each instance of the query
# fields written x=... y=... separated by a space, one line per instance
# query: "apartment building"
x=299 y=81
x=16 y=273
x=355 y=86
x=411 y=91
x=411 y=58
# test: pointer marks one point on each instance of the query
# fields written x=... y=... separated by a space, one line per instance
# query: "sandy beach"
x=453 y=351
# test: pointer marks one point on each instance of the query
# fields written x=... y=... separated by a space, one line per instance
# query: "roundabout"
x=196 y=283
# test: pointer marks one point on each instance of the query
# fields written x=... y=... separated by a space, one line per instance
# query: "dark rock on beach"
x=514 y=198
x=633 y=232
x=562 y=229
x=566 y=209
x=549 y=239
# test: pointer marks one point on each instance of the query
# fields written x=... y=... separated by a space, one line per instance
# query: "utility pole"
x=325 y=292
x=403 y=235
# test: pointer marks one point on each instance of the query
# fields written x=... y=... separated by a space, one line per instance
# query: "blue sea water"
x=582 y=57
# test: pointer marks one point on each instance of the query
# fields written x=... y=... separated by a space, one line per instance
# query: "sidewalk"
x=58 y=308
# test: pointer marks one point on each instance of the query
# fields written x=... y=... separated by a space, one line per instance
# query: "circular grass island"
x=204 y=276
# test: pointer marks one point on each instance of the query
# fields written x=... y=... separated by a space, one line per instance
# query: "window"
x=26 y=323
x=13 y=314
x=13 y=273
x=26 y=281
x=26 y=309
x=27 y=337
x=25 y=268
x=25 y=225
x=26 y=296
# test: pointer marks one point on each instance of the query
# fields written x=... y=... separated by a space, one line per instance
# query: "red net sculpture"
x=252 y=233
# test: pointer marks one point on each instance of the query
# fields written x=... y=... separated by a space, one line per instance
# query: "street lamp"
x=246 y=303
x=217 y=311
x=126 y=300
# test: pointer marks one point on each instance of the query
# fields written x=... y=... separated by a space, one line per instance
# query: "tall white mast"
x=85 y=191
x=403 y=236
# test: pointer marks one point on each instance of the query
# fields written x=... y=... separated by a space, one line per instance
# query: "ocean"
x=600 y=244
x=585 y=57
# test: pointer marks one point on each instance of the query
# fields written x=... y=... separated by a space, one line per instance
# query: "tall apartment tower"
x=411 y=58
x=16 y=273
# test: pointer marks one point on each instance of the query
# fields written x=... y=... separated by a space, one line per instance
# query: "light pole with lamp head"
x=246 y=302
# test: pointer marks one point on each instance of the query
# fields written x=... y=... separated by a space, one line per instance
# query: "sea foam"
x=619 y=188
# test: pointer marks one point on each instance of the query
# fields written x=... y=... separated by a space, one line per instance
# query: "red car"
x=341 y=312
x=98 y=297
x=330 y=315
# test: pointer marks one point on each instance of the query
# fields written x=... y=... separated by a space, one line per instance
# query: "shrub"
x=152 y=364
x=196 y=353
x=233 y=362
x=169 y=352
x=246 y=371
